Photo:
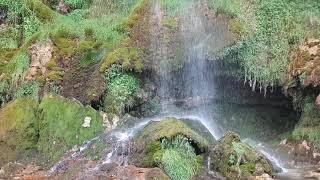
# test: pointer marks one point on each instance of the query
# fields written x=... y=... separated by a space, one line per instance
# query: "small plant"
x=121 y=90
x=28 y=88
x=31 y=24
x=77 y=4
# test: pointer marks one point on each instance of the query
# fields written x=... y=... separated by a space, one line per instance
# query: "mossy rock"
x=169 y=128
x=237 y=160
x=147 y=143
x=18 y=128
x=128 y=58
x=61 y=126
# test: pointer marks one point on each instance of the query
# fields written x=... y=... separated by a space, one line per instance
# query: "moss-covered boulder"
x=236 y=160
x=171 y=127
x=63 y=124
x=149 y=141
x=18 y=129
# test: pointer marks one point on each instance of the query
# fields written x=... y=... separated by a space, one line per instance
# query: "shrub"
x=77 y=4
x=28 y=88
x=31 y=24
x=121 y=90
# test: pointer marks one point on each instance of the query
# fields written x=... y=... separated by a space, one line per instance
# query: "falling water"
x=191 y=82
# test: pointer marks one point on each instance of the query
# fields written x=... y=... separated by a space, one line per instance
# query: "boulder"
x=148 y=140
x=235 y=159
x=18 y=129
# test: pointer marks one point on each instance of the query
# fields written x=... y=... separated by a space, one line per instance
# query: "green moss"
x=18 y=128
x=153 y=154
x=66 y=47
x=61 y=126
x=248 y=168
x=42 y=11
x=170 y=128
x=236 y=27
x=129 y=58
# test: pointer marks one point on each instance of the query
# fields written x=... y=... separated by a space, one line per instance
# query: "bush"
x=31 y=24
x=121 y=90
x=77 y=4
x=28 y=88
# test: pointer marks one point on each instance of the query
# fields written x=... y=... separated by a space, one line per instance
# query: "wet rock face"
x=41 y=54
x=300 y=153
x=235 y=159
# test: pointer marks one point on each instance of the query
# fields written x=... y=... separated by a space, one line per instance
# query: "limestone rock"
x=41 y=54
x=62 y=7
x=86 y=122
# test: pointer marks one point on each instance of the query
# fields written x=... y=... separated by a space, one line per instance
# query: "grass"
x=179 y=160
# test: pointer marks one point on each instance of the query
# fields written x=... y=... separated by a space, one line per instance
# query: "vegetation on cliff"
x=268 y=31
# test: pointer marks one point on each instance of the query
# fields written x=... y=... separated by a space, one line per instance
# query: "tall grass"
x=179 y=160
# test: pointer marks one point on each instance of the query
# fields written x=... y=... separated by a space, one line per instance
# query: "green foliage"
x=121 y=90
x=4 y=86
x=31 y=24
x=61 y=126
x=19 y=63
x=179 y=160
x=28 y=88
x=77 y=4
x=309 y=124
x=268 y=30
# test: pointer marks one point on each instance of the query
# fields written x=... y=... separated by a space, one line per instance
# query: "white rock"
x=115 y=121
x=1 y=172
x=86 y=122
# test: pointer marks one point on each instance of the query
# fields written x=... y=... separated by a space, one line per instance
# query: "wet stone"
x=108 y=167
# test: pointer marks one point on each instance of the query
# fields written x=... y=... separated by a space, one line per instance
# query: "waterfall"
x=190 y=79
